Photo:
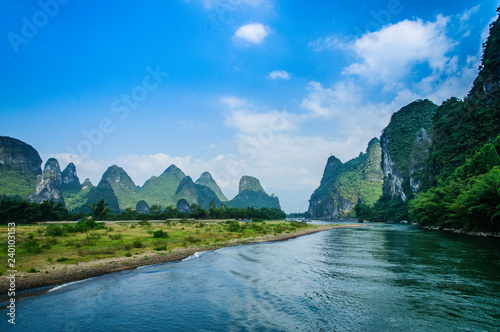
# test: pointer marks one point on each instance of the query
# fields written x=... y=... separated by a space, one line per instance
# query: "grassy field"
x=39 y=248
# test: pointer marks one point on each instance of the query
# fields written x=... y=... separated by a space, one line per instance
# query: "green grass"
x=121 y=240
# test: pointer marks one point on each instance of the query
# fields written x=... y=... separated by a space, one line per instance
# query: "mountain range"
x=21 y=175
x=421 y=148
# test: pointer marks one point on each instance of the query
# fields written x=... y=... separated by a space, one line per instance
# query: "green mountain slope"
x=20 y=164
x=344 y=185
x=103 y=191
x=251 y=194
x=207 y=180
x=123 y=186
x=162 y=189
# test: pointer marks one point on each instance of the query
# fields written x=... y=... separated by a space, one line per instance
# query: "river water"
x=375 y=278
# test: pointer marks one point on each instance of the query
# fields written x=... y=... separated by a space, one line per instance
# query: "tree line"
x=14 y=209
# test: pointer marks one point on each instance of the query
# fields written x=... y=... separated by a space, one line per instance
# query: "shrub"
x=33 y=247
x=233 y=226
x=164 y=247
x=128 y=254
x=192 y=239
x=54 y=230
x=32 y=270
x=160 y=234
x=115 y=237
x=137 y=244
x=61 y=259
x=144 y=223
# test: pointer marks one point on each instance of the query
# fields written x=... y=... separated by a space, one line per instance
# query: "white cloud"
x=253 y=33
x=388 y=55
x=468 y=13
x=279 y=74
x=245 y=117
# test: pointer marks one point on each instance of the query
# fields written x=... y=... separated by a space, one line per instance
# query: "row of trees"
x=13 y=209
x=468 y=199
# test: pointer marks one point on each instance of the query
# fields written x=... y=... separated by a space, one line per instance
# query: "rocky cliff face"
x=19 y=157
x=393 y=180
x=344 y=185
x=70 y=180
x=405 y=144
x=49 y=184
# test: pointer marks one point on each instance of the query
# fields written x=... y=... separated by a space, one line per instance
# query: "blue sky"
x=266 y=88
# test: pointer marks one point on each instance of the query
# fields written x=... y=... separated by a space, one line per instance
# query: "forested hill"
x=460 y=177
x=344 y=185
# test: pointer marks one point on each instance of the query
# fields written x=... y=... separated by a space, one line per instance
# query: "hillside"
x=251 y=194
x=207 y=181
x=456 y=181
x=161 y=189
x=123 y=186
x=344 y=185
x=20 y=164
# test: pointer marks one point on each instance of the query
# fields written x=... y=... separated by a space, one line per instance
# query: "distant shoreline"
x=31 y=284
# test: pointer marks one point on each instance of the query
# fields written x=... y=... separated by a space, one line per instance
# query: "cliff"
x=20 y=164
x=405 y=144
x=344 y=185
x=49 y=184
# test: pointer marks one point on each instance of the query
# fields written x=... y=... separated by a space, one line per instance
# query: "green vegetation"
x=344 y=185
x=123 y=186
x=17 y=184
x=23 y=212
x=257 y=199
x=207 y=181
x=460 y=178
x=162 y=189
x=402 y=131
x=45 y=246
x=468 y=199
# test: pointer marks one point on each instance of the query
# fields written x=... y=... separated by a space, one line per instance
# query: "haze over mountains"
x=21 y=175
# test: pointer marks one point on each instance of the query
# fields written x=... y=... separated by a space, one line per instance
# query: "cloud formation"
x=252 y=33
x=279 y=74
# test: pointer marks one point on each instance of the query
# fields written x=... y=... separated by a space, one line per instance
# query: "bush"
x=115 y=237
x=144 y=223
x=61 y=259
x=192 y=239
x=128 y=254
x=32 y=270
x=234 y=226
x=160 y=234
x=54 y=230
x=137 y=244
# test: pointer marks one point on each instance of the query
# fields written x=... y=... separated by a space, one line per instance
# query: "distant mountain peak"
x=207 y=180
x=250 y=183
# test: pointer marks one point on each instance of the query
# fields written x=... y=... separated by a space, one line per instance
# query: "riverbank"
x=461 y=231
x=64 y=273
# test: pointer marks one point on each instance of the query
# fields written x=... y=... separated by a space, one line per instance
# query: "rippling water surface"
x=376 y=278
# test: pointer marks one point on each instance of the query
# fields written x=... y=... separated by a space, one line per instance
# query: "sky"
x=266 y=88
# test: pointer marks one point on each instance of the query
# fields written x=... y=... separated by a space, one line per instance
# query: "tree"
x=99 y=210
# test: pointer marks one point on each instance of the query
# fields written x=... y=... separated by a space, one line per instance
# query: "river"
x=375 y=278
